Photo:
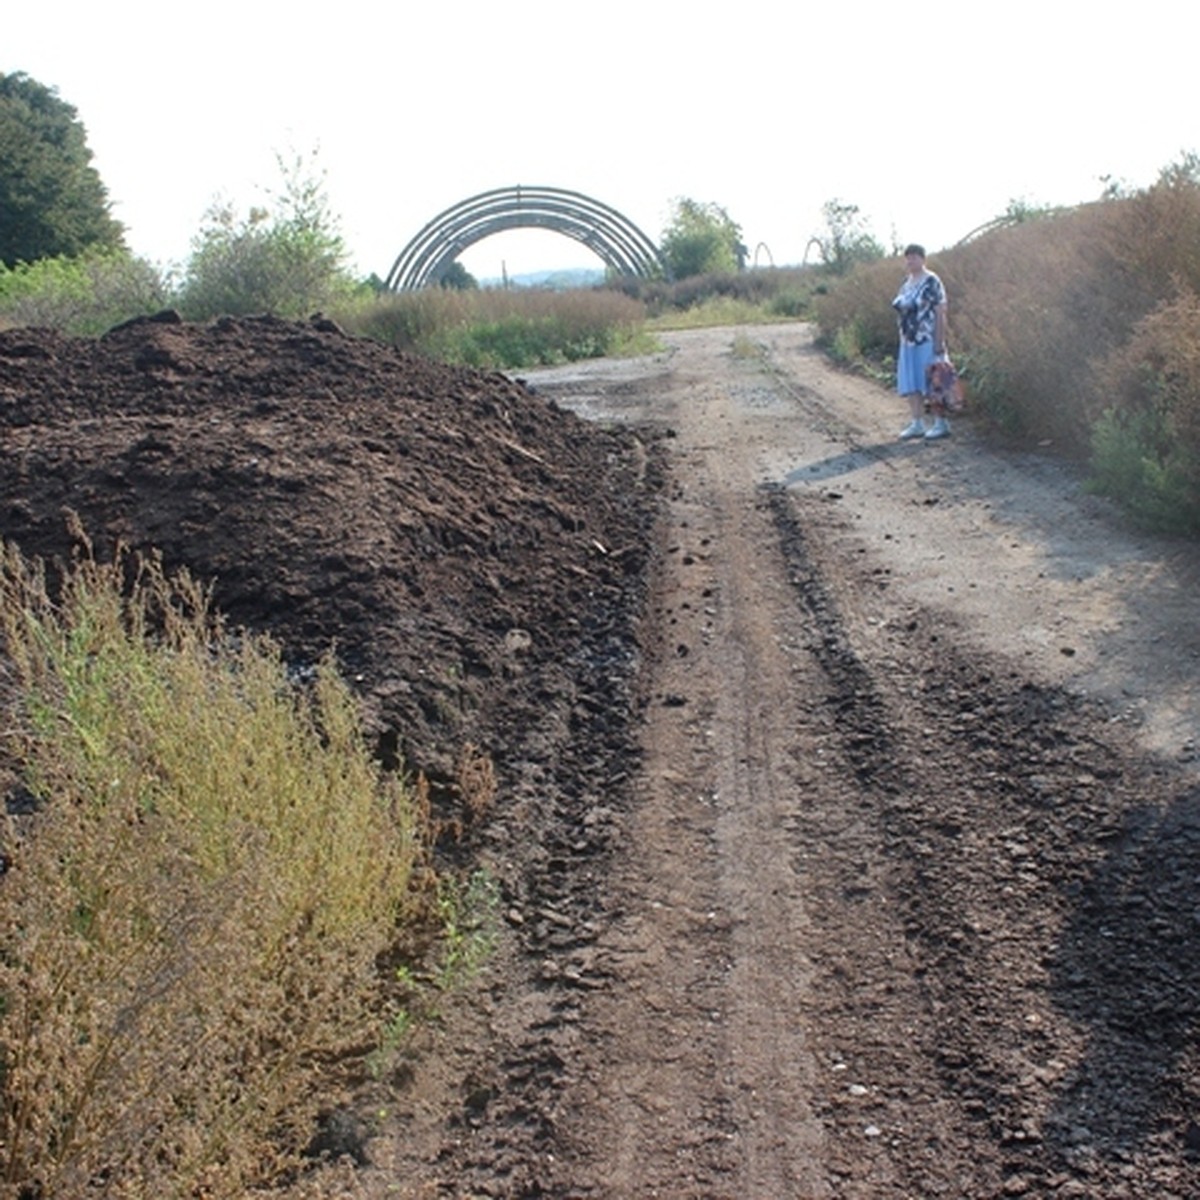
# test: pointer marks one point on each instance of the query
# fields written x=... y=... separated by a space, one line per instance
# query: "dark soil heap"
x=473 y=551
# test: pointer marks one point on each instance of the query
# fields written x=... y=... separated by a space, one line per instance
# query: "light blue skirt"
x=910 y=366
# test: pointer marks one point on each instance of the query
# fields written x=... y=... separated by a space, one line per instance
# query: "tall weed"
x=193 y=913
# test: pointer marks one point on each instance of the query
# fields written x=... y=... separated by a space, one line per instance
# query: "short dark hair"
x=913 y=248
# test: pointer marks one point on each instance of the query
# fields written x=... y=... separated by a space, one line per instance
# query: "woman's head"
x=914 y=258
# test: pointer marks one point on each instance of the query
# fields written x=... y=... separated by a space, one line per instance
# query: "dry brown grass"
x=194 y=912
x=1056 y=320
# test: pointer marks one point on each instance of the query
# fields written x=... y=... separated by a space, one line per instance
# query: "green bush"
x=845 y=239
x=193 y=916
x=701 y=239
x=847 y=344
x=790 y=302
x=515 y=341
x=259 y=266
x=288 y=261
x=1146 y=438
x=1157 y=487
x=85 y=295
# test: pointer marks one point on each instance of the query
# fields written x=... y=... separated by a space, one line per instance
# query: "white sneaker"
x=915 y=430
x=939 y=429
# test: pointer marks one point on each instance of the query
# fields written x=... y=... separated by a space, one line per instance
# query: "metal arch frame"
x=613 y=238
x=1001 y=222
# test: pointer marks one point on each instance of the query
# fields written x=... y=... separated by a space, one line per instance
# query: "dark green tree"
x=52 y=201
x=701 y=239
x=457 y=277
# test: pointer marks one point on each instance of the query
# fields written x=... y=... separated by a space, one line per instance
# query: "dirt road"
x=906 y=901
x=898 y=897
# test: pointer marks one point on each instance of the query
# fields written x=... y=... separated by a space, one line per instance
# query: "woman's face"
x=915 y=263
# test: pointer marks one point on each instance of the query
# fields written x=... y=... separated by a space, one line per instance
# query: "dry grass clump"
x=854 y=316
x=194 y=908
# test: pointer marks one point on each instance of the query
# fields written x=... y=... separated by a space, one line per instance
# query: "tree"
x=846 y=240
x=458 y=278
x=288 y=259
x=701 y=239
x=52 y=201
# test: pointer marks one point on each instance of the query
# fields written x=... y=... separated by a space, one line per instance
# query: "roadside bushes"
x=196 y=900
x=85 y=295
x=1146 y=436
x=499 y=330
x=758 y=294
x=1074 y=329
x=854 y=314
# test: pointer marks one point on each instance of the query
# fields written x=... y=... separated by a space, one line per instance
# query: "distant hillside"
x=576 y=277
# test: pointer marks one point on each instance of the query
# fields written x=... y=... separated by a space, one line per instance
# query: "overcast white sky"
x=767 y=109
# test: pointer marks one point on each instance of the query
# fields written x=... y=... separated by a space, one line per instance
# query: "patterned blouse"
x=916 y=307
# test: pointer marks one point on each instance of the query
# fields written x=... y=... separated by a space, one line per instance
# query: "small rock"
x=517 y=641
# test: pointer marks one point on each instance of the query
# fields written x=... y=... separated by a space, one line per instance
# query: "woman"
x=921 y=311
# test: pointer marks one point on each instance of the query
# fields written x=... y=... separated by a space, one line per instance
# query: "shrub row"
x=1079 y=329
x=761 y=293
x=496 y=329
x=85 y=295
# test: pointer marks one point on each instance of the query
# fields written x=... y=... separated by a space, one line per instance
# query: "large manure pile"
x=471 y=549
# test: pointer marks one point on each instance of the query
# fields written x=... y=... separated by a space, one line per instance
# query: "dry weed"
x=476 y=781
x=192 y=917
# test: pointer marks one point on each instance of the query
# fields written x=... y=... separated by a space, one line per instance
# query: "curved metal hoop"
x=613 y=238
x=1001 y=222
